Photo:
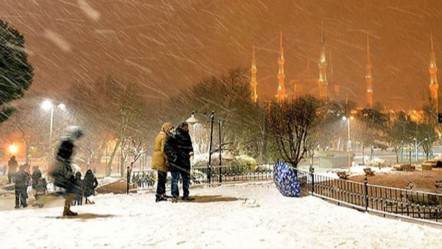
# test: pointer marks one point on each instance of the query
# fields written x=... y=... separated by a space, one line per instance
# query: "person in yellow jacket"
x=159 y=161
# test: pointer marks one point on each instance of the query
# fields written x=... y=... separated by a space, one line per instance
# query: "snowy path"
x=220 y=218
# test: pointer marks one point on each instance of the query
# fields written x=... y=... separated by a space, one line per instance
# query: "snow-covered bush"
x=263 y=167
x=244 y=163
x=376 y=162
x=239 y=164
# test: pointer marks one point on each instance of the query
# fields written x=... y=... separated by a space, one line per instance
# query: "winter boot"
x=67 y=205
x=188 y=198
x=159 y=198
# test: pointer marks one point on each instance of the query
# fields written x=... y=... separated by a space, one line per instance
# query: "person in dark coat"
x=41 y=189
x=12 y=169
x=62 y=173
x=90 y=183
x=36 y=175
x=22 y=179
x=79 y=195
x=178 y=148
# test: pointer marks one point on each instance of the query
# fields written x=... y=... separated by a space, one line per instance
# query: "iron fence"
x=199 y=175
x=372 y=198
x=232 y=173
x=363 y=196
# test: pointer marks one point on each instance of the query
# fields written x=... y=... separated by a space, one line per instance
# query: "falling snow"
x=169 y=46
x=251 y=215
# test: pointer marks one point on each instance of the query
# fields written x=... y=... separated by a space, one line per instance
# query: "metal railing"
x=232 y=173
x=398 y=202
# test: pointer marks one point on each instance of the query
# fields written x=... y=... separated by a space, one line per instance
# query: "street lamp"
x=192 y=120
x=47 y=105
x=348 y=130
x=13 y=149
x=220 y=123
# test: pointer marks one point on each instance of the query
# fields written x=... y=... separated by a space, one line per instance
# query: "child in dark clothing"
x=36 y=175
x=41 y=189
x=90 y=183
x=79 y=196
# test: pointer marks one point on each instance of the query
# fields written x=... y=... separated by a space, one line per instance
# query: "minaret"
x=369 y=77
x=434 y=86
x=322 y=64
x=253 y=82
x=281 y=95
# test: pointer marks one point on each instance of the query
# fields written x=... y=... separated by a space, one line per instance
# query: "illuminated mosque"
x=320 y=86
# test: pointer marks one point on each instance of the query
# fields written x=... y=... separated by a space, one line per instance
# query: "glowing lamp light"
x=46 y=105
x=192 y=120
x=13 y=149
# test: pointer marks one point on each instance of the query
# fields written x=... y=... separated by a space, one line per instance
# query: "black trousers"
x=78 y=200
x=21 y=196
x=11 y=178
x=161 y=186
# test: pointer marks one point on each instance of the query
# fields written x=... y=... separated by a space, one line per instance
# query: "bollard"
x=128 y=179
x=366 y=193
x=312 y=175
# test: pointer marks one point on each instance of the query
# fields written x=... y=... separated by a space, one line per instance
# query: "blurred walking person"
x=159 y=161
x=62 y=172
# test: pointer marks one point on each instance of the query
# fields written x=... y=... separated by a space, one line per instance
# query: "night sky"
x=169 y=45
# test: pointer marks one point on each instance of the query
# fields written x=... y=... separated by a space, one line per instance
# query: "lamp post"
x=192 y=120
x=220 y=123
x=47 y=105
x=209 y=163
x=348 y=131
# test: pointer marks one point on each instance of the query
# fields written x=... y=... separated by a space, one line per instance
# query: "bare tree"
x=30 y=128
x=116 y=112
x=228 y=95
x=134 y=148
x=290 y=123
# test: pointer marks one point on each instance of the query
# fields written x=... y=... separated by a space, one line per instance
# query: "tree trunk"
x=111 y=159
x=28 y=152
x=122 y=168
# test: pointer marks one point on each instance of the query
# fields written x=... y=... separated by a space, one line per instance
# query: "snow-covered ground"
x=249 y=215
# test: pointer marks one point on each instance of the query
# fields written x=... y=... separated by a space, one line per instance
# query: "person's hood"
x=73 y=132
x=181 y=125
x=167 y=127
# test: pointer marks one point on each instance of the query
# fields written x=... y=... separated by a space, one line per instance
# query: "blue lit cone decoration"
x=286 y=181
